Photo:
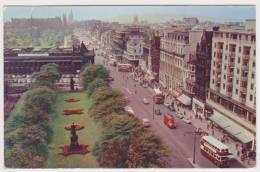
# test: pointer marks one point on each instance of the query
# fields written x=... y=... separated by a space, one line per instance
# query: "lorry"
x=169 y=121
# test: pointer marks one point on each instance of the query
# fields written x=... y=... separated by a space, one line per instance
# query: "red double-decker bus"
x=215 y=151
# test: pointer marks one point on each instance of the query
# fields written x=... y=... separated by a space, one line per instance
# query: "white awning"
x=184 y=99
x=230 y=127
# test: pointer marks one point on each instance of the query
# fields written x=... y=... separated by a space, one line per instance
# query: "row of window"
x=236 y=36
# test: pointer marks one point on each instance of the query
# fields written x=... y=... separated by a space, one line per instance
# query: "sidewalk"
x=218 y=133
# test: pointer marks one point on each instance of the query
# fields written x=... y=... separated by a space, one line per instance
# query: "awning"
x=230 y=127
x=184 y=99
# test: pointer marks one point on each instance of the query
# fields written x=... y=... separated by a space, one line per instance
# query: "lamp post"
x=195 y=133
x=153 y=107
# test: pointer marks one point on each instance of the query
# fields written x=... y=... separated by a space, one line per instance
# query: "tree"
x=19 y=157
x=41 y=98
x=94 y=85
x=47 y=75
x=91 y=72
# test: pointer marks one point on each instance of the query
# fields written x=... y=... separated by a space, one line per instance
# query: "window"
x=226 y=47
x=253 y=64
x=223 y=86
x=225 y=57
x=253 y=76
x=212 y=81
x=239 y=49
x=227 y=35
x=238 y=71
x=214 y=54
x=252 y=86
x=224 y=76
x=238 y=60
x=214 y=63
x=225 y=67
x=215 y=45
x=237 y=81
x=236 y=91
x=251 y=97
x=254 y=52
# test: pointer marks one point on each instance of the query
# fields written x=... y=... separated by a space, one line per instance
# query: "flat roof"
x=214 y=142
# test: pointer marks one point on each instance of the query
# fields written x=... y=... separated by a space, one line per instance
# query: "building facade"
x=232 y=92
x=202 y=74
x=177 y=62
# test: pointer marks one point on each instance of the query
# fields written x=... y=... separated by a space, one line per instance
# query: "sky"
x=125 y=13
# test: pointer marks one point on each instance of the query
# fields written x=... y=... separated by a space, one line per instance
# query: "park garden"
x=37 y=130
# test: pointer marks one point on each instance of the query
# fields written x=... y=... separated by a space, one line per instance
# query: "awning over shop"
x=184 y=99
x=230 y=127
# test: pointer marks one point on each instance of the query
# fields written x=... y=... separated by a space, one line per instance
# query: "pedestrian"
x=207 y=126
x=248 y=161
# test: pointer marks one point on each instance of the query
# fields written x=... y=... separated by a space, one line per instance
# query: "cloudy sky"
x=119 y=13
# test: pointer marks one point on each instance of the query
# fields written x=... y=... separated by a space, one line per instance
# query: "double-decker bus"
x=158 y=96
x=124 y=67
x=215 y=151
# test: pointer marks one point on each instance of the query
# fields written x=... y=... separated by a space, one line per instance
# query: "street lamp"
x=195 y=133
x=153 y=107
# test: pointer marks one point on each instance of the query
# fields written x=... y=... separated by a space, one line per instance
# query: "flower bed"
x=72 y=111
x=71 y=100
x=66 y=150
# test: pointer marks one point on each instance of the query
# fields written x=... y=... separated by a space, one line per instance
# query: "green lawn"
x=89 y=135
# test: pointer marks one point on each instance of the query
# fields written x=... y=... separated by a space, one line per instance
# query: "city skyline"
x=125 y=14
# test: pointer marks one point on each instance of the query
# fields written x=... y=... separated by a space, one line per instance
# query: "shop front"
x=198 y=107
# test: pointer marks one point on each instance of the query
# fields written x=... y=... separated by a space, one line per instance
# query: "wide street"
x=180 y=140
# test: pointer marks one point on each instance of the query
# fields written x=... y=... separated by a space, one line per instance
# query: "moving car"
x=169 y=121
x=167 y=104
x=145 y=101
x=187 y=120
x=146 y=122
x=130 y=110
x=179 y=115
x=110 y=79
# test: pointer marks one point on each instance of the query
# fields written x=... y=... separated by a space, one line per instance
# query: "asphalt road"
x=175 y=139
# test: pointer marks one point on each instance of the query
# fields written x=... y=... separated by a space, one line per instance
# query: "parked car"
x=171 y=108
x=145 y=85
x=179 y=115
x=146 y=122
x=187 y=120
x=157 y=112
x=145 y=101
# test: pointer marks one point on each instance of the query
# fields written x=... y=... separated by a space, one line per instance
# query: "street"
x=176 y=139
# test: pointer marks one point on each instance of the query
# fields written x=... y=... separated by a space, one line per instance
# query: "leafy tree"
x=18 y=157
x=47 y=75
x=41 y=98
x=94 y=85
x=91 y=72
